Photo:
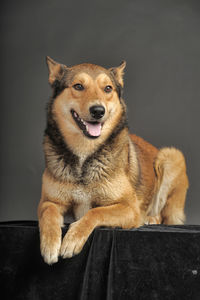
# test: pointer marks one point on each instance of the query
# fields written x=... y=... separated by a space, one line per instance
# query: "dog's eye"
x=108 y=89
x=78 y=87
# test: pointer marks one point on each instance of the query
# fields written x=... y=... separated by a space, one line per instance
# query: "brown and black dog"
x=95 y=168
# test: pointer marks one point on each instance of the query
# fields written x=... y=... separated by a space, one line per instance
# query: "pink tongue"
x=94 y=129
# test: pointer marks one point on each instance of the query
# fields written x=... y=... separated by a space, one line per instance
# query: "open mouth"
x=90 y=129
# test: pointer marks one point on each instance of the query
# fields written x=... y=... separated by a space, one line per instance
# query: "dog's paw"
x=50 y=248
x=152 y=220
x=73 y=241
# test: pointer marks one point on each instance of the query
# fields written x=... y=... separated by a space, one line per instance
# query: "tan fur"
x=128 y=183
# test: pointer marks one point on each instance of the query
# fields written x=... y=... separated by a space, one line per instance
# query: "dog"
x=95 y=168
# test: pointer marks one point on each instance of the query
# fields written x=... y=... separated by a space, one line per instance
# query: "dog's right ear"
x=56 y=70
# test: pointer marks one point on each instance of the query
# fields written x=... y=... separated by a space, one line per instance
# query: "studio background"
x=159 y=39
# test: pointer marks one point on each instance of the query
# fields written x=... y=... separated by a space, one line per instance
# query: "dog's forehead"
x=91 y=70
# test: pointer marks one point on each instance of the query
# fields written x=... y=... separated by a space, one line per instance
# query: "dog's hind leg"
x=172 y=181
x=173 y=211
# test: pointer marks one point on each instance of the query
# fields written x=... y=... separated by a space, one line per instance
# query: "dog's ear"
x=118 y=72
x=56 y=70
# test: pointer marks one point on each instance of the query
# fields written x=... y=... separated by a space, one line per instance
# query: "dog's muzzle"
x=91 y=129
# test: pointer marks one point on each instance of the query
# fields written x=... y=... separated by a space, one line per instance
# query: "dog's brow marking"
x=83 y=77
x=103 y=79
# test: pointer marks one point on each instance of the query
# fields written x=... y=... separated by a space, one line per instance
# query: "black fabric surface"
x=151 y=262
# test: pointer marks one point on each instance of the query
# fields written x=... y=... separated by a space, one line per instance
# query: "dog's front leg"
x=118 y=215
x=50 y=221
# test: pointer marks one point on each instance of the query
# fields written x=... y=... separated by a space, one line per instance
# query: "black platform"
x=152 y=262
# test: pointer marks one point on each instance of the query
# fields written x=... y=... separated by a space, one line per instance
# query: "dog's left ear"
x=56 y=70
x=118 y=72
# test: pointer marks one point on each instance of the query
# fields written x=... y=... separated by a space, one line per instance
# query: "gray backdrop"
x=159 y=39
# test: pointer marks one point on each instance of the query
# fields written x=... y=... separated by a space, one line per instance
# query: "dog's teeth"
x=75 y=114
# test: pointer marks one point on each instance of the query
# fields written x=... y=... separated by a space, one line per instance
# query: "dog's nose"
x=97 y=111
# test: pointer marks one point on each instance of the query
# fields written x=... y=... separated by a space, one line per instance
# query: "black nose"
x=97 y=111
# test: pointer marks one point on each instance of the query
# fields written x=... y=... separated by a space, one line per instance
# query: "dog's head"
x=87 y=98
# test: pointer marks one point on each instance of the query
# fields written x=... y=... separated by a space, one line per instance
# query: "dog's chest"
x=82 y=202
x=88 y=171
x=80 y=195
